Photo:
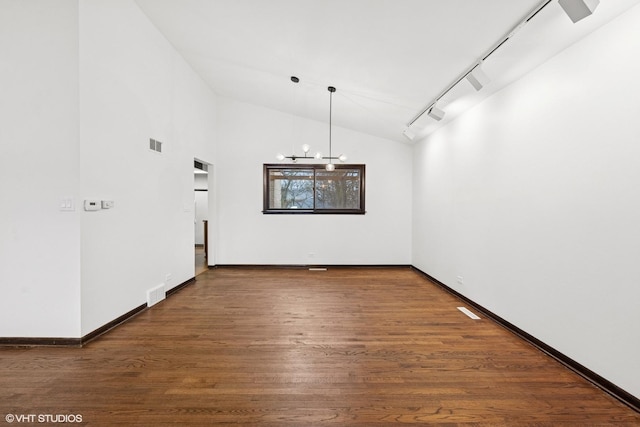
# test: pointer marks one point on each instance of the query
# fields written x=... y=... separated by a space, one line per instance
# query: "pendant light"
x=330 y=166
x=306 y=148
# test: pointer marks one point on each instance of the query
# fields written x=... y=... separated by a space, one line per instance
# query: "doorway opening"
x=202 y=253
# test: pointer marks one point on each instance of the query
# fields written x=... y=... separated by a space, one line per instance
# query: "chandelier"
x=330 y=166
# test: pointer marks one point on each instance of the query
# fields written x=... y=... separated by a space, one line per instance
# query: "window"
x=310 y=189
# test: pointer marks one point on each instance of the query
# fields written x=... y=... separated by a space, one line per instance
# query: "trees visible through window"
x=310 y=189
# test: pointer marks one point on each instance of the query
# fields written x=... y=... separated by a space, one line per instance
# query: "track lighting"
x=436 y=113
x=478 y=78
x=578 y=9
x=409 y=134
x=575 y=9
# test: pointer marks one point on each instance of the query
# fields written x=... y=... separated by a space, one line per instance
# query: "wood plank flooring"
x=201 y=264
x=288 y=347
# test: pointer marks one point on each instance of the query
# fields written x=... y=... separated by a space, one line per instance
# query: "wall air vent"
x=155 y=145
x=155 y=295
x=200 y=166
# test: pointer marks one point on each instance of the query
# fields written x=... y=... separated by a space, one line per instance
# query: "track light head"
x=409 y=134
x=478 y=78
x=436 y=113
x=578 y=9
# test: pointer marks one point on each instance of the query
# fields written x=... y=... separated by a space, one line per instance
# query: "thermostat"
x=92 y=205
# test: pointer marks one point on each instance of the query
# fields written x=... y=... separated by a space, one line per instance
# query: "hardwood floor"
x=287 y=347
x=200 y=261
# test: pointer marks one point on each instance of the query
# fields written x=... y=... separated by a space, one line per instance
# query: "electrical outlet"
x=460 y=280
x=168 y=277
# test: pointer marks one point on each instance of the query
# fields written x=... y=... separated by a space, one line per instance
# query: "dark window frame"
x=315 y=211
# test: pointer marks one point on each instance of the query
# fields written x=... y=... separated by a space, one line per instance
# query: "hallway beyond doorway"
x=200 y=260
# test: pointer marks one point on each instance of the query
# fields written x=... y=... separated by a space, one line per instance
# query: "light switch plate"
x=67 y=204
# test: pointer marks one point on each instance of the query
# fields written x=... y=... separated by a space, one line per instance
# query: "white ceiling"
x=388 y=59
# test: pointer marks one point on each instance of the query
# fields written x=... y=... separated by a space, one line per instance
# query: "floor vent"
x=468 y=313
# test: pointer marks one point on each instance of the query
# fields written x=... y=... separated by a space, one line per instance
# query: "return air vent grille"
x=200 y=166
x=155 y=295
x=155 y=145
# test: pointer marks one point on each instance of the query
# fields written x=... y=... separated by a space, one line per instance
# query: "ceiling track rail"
x=489 y=52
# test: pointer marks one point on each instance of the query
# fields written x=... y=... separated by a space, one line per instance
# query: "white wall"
x=251 y=136
x=532 y=197
x=134 y=86
x=39 y=244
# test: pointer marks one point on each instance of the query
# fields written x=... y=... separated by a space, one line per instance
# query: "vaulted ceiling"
x=388 y=59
